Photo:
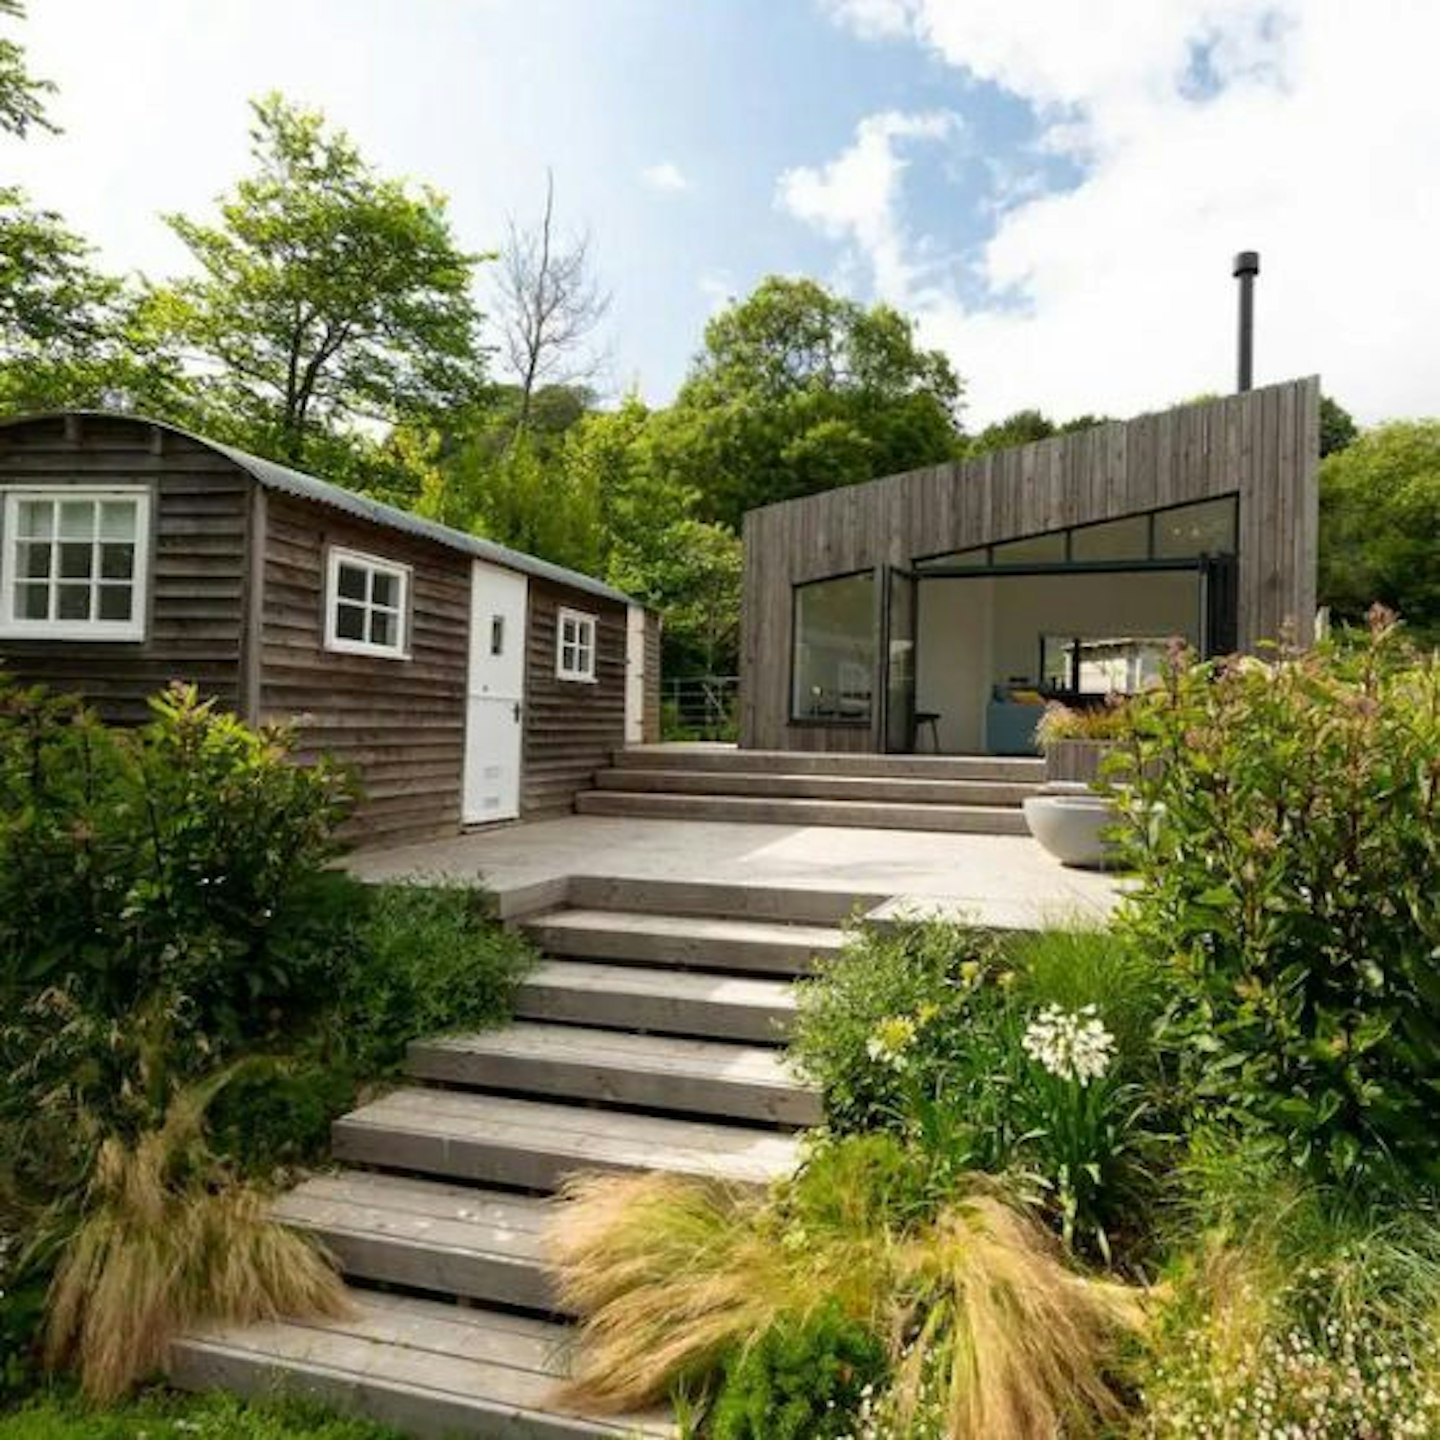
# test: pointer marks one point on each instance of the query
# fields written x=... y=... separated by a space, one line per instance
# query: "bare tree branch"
x=549 y=305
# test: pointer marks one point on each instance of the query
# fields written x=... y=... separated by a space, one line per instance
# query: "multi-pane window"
x=575 y=646
x=73 y=564
x=368 y=603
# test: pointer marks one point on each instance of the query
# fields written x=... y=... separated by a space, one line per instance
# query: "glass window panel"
x=1033 y=550
x=977 y=558
x=1204 y=529
x=117 y=520
x=115 y=602
x=1124 y=539
x=77 y=519
x=34 y=560
x=834 y=661
x=385 y=589
x=117 y=562
x=32 y=602
x=73 y=602
x=37 y=519
x=350 y=582
x=350 y=622
x=384 y=628
x=76 y=560
x=497 y=634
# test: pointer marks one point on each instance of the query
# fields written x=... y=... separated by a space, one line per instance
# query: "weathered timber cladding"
x=399 y=723
x=1263 y=445
x=570 y=726
x=199 y=516
x=650 y=711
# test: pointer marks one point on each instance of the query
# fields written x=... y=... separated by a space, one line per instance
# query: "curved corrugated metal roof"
x=308 y=487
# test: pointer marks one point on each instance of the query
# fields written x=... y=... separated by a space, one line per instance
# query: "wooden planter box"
x=1076 y=761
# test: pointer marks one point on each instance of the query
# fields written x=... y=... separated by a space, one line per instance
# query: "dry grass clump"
x=161 y=1250
x=671 y=1276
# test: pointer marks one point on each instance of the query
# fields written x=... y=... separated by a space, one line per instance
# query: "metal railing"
x=700 y=707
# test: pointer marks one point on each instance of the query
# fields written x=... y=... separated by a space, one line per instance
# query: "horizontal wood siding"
x=197 y=572
x=570 y=727
x=1263 y=444
x=399 y=723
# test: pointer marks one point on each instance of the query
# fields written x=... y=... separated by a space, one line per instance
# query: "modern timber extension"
x=938 y=610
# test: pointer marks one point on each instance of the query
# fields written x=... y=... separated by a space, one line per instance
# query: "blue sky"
x=1054 y=191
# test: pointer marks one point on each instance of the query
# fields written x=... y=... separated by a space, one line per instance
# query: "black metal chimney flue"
x=1247 y=267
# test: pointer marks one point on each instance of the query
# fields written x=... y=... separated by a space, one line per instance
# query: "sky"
x=1054 y=189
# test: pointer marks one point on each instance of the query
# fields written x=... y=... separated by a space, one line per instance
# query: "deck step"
x=728 y=758
x=779 y=810
x=534 y=1145
x=431 y=1370
x=720 y=1007
x=718 y=899
x=895 y=790
x=696 y=943
x=649 y=1072
x=453 y=1240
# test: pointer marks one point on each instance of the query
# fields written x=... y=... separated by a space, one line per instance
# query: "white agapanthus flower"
x=1072 y=1044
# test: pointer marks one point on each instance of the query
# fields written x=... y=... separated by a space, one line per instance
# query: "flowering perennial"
x=1073 y=1045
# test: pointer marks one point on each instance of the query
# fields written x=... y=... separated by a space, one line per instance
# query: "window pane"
x=385 y=589
x=350 y=582
x=117 y=520
x=497 y=634
x=117 y=562
x=978 y=558
x=32 y=602
x=34 y=560
x=1034 y=550
x=75 y=561
x=37 y=519
x=835 y=649
x=1125 y=539
x=350 y=622
x=1204 y=529
x=115 y=602
x=383 y=628
x=77 y=519
x=74 y=602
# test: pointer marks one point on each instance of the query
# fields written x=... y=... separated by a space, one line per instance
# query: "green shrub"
x=162 y=1416
x=1286 y=827
x=800 y=1381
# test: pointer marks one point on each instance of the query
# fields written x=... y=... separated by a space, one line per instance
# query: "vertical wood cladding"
x=399 y=723
x=1263 y=444
x=197 y=576
x=650 y=711
x=570 y=726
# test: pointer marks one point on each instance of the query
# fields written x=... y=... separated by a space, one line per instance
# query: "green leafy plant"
x=1071 y=722
x=803 y=1381
x=1285 y=821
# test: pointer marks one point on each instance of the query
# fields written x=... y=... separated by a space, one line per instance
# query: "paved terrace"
x=1003 y=881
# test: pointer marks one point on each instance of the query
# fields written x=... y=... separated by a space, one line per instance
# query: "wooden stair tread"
x=691 y=928
x=670 y=984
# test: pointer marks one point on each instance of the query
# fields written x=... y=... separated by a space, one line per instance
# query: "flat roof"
x=282 y=478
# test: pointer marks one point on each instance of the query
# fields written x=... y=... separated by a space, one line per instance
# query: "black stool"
x=932 y=719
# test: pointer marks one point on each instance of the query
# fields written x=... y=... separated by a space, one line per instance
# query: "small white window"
x=75 y=562
x=367 y=611
x=575 y=646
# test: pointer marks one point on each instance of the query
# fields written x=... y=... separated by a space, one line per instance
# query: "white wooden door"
x=495 y=709
x=635 y=675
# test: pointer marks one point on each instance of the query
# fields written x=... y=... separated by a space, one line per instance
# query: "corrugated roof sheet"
x=309 y=487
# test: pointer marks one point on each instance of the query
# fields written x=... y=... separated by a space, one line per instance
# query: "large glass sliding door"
x=898 y=652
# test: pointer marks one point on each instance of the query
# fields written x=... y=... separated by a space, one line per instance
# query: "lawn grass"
x=161 y=1415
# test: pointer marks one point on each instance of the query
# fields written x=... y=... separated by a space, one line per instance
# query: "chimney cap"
x=1247 y=262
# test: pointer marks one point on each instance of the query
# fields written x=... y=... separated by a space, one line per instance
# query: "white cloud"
x=855 y=198
x=719 y=289
x=1306 y=129
x=666 y=175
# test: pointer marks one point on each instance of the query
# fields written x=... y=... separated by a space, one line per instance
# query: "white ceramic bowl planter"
x=1069 y=819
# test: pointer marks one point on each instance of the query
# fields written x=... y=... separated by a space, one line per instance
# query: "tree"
x=549 y=306
x=1026 y=426
x=1379 y=519
x=799 y=390
x=330 y=298
x=22 y=97
x=71 y=335
x=1337 y=427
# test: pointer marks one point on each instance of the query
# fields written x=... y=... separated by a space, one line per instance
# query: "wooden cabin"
x=466 y=683
x=941 y=609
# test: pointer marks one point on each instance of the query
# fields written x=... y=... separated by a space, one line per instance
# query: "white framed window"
x=367 y=605
x=575 y=646
x=74 y=562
